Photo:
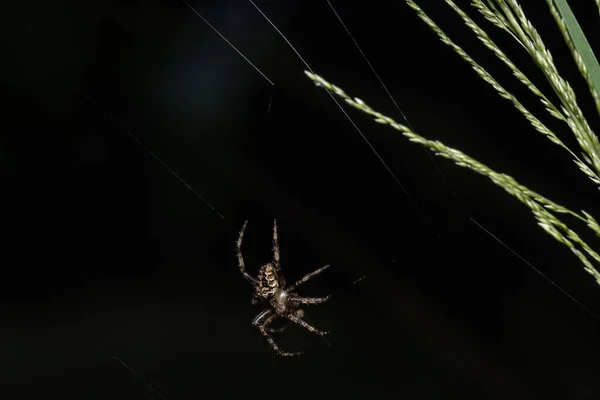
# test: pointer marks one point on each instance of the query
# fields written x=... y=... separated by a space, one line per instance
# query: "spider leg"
x=259 y=319
x=304 y=324
x=275 y=246
x=269 y=317
x=307 y=277
x=238 y=250
x=311 y=300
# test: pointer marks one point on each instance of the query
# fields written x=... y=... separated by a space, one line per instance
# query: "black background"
x=107 y=254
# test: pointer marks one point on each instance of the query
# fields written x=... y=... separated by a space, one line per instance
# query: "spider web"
x=388 y=169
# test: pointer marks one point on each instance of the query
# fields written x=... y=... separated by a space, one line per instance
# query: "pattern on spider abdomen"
x=268 y=281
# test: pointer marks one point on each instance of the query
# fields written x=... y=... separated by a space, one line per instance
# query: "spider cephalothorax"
x=282 y=302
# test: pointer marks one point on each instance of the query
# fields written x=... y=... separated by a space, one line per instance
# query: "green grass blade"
x=580 y=45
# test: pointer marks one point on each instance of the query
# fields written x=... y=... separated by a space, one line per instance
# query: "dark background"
x=108 y=254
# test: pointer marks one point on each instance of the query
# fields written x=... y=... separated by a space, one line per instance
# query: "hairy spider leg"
x=275 y=246
x=304 y=324
x=268 y=316
x=241 y=264
x=307 y=277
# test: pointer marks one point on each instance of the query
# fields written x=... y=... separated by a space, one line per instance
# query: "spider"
x=281 y=300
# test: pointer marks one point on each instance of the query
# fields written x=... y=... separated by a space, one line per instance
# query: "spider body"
x=271 y=290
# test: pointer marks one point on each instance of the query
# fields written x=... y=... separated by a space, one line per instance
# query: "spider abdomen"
x=268 y=281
